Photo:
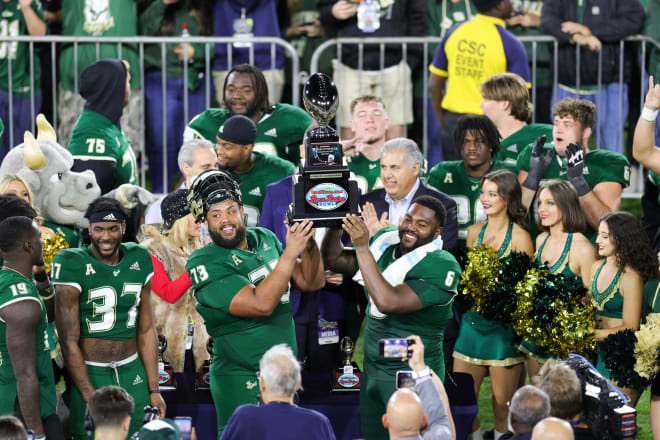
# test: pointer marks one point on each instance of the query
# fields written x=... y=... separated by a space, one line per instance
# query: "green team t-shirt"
x=434 y=279
x=367 y=172
x=217 y=274
x=95 y=137
x=599 y=166
x=651 y=298
x=279 y=132
x=109 y=295
x=12 y=23
x=14 y=287
x=514 y=144
x=267 y=169
x=98 y=18
x=73 y=236
x=452 y=179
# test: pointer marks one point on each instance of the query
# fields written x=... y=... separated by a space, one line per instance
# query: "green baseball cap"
x=161 y=429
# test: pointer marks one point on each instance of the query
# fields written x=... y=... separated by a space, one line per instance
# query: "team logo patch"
x=250 y=384
x=110 y=217
x=138 y=380
x=372 y=166
x=255 y=191
x=272 y=132
x=135 y=266
x=116 y=272
x=237 y=260
x=326 y=196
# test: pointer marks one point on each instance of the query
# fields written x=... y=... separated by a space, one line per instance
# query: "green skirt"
x=485 y=342
x=534 y=351
x=600 y=364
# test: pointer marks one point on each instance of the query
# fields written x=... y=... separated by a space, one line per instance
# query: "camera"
x=604 y=408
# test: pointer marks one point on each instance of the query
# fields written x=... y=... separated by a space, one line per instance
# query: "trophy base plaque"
x=347 y=378
x=203 y=381
x=166 y=381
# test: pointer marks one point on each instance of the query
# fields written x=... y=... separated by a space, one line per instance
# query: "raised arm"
x=335 y=257
x=67 y=320
x=35 y=25
x=261 y=300
x=388 y=298
x=308 y=273
x=147 y=346
x=22 y=319
x=644 y=149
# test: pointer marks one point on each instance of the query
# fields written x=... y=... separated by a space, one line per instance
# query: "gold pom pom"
x=52 y=245
x=647 y=346
x=480 y=274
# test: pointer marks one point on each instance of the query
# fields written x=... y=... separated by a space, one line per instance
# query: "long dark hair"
x=631 y=244
x=566 y=198
x=509 y=189
x=258 y=82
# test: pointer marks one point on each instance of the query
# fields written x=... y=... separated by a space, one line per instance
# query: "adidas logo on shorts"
x=135 y=266
x=255 y=192
x=138 y=380
x=272 y=132
x=110 y=217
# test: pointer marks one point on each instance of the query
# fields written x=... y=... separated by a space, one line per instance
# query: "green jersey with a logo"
x=109 y=295
x=434 y=279
x=12 y=24
x=367 y=172
x=73 y=236
x=514 y=144
x=267 y=169
x=14 y=287
x=452 y=179
x=599 y=166
x=217 y=275
x=98 y=18
x=280 y=131
x=95 y=137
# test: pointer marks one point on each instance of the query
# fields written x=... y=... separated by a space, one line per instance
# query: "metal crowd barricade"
x=52 y=41
x=636 y=186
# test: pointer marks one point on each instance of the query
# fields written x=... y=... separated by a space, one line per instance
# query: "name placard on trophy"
x=323 y=191
x=347 y=376
x=204 y=373
x=165 y=371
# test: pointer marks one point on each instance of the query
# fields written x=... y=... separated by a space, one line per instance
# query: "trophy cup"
x=203 y=375
x=165 y=371
x=348 y=376
x=323 y=191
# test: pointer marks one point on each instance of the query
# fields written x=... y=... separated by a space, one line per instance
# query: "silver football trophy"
x=323 y=192
x=347 y=376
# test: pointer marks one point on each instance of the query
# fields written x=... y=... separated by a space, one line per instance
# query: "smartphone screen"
x=394 y=348
x=185 y=426
x=404 y=379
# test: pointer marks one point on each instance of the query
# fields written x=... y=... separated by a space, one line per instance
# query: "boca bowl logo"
x=206 y=379
x=348 y=380
x=163 y=376
x=326 y=196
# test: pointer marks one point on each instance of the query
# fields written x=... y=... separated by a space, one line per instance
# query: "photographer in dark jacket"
x=596 y=26
x=381 y=18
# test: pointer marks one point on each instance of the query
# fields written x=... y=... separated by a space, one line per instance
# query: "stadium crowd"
x=103 y=282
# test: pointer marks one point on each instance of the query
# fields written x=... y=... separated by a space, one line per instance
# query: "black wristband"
x=154 y=391
x=40 y=277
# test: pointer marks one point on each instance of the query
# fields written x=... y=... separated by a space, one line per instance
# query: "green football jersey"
x=514 y=144
x=96 y=138
x=12 y=24
x=280 y=131
x=599 y=166
x=15 y=287
x=217 y=274
x=109 y=295
x=434 y=279
x=98 y=18
x=73 y=236
x=367 y=172
x=651 y=298
x=267 y=169
x=452 y=179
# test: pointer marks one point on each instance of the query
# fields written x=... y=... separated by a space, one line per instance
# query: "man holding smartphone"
x=410 y=295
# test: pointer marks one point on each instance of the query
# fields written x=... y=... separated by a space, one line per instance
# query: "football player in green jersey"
x=506 y=102
x=252 y=170
x=280 y=127
x=478 y=142
x=28 y=376
x=369 y=123
x=104 y=316
x=411 y=295
x=241 y=284
x=599 y=176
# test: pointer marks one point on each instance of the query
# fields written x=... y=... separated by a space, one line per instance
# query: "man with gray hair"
x=529 y=405
x=401 y=164
x=279 y=417
x=195 y=156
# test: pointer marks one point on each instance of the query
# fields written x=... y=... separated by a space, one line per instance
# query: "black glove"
x=538 y=163
x=575 y=162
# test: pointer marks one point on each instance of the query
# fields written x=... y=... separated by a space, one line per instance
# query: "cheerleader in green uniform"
x=484 y=346
x=617 y=279
x=561 y=247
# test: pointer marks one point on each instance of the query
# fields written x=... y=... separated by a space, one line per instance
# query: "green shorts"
x=230 y=392
x=374 y=394
x=128 y=374
x=46 y=385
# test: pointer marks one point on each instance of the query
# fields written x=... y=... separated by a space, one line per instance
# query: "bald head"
x=405 y=414
x=552 y=428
